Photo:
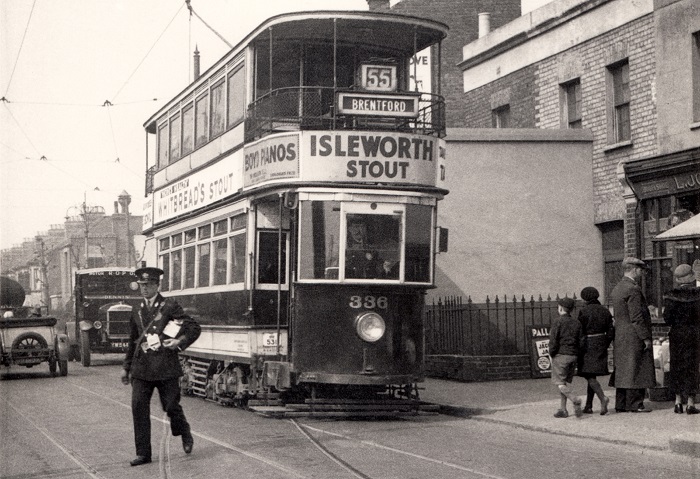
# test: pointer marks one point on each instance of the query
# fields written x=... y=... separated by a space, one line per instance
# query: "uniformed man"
x=159 y=330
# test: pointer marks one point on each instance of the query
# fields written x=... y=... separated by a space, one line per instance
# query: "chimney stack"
x=484 y=24
x=116 y=207
x=196 y=62
x=379 y=5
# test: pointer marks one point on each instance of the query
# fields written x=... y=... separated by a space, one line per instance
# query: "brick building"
x=45 y=265
x=462 y=17
x=627 y=70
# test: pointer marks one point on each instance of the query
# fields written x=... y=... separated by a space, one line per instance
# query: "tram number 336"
x=369 y=302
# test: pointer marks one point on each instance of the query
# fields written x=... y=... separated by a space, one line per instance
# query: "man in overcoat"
x=633 y=354
x=160 y=329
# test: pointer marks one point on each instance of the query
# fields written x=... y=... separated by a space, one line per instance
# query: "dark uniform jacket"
x=155 y=365
x=634 y=366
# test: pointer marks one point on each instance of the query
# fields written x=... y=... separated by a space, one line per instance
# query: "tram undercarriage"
x=251 y=387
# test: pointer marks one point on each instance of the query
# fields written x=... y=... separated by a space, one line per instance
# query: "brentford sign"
x=373 y=104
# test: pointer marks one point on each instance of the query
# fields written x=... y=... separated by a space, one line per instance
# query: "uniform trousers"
x=141 y=393
x=629 y=399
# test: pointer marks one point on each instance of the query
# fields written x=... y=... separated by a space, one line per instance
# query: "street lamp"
x=124 y=201
x=41 y=251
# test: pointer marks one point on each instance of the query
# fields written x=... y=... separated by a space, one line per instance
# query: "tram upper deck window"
x=187 y=129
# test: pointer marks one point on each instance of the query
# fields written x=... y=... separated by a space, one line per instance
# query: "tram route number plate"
x=269 y=339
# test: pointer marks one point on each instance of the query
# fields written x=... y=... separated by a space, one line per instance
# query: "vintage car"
x=26 y=338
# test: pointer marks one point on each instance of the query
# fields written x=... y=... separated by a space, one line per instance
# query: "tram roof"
x=385 y=30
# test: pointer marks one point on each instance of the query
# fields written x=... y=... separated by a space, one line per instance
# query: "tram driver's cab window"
x=372 y=248
x=372 y=241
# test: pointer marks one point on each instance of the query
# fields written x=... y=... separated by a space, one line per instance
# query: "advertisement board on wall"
x=540 y=362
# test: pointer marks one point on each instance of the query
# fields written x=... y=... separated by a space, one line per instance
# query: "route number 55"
x=379 y=77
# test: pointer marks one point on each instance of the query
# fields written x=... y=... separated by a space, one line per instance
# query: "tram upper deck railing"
x=313 y=108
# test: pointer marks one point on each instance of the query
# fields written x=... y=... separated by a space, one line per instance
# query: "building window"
x=619 y=96
x=696 y=76
x=571 y=104
x=613 y=235
x=500 y=117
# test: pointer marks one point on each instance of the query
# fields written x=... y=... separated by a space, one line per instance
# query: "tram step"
x=282 y=412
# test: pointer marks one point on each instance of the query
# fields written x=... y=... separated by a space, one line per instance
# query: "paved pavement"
x=531 y=404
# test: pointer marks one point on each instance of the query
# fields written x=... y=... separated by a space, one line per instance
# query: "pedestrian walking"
x=597 y=328
x=565 y=340
x=682 y=313
x=159 y=330
x=634 y=358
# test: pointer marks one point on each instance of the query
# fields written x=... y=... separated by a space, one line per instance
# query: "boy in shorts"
x=565 y=342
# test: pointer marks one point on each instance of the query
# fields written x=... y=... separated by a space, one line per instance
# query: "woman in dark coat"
x=682 y=313
x=597 y=324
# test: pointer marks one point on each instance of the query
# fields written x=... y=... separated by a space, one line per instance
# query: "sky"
x=78 y=78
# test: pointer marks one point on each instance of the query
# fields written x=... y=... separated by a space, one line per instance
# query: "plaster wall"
x=675 y=24
x=520 y=214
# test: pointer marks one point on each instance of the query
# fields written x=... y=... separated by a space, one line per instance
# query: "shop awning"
x=689 y=229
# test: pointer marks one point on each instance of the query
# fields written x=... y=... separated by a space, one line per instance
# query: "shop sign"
x=540 y=362
x=676 y=184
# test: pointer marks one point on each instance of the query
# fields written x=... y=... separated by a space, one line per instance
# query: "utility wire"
x=21 y=129
x=147 y=53
x=192 y=12
x=26 y=28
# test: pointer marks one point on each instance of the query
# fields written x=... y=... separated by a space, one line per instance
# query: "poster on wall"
x=540 y=362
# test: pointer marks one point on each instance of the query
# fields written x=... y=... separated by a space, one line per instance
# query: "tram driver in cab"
x=362 y=259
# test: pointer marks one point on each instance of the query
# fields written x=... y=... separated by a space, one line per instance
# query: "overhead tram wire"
x=148 y=52
x=192 y=12
x=26 y=28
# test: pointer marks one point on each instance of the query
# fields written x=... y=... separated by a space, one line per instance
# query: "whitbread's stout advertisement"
x=540 y=362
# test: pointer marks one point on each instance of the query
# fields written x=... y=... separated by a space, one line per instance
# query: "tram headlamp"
x=370 y=327
x=97 y=324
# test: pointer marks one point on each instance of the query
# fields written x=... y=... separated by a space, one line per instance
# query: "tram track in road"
x=308 y=432
x=72 y=455
x=304 y=429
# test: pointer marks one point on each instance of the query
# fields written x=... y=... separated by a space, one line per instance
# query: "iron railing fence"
x=494 y=328
x=313 y=108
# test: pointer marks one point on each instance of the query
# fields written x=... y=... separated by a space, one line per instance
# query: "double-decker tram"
x=292 y=204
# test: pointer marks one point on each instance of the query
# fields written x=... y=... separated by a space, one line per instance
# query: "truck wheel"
x=63 y=367
x=85 y=348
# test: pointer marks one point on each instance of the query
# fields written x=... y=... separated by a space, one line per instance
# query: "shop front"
x=667 y=189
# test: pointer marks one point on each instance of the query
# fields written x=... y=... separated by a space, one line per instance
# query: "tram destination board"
x=373 y=104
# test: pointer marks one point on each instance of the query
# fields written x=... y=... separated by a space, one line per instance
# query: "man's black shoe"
x=140 y=460
x=641 y=409
x=187 y=443
x=620 y=410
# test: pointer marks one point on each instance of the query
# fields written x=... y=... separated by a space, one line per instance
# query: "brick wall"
x=473 y=110
x=588 y=61
x=478 y=368
x=462 y=17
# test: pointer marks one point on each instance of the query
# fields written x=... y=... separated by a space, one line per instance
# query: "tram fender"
x=277 y=374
